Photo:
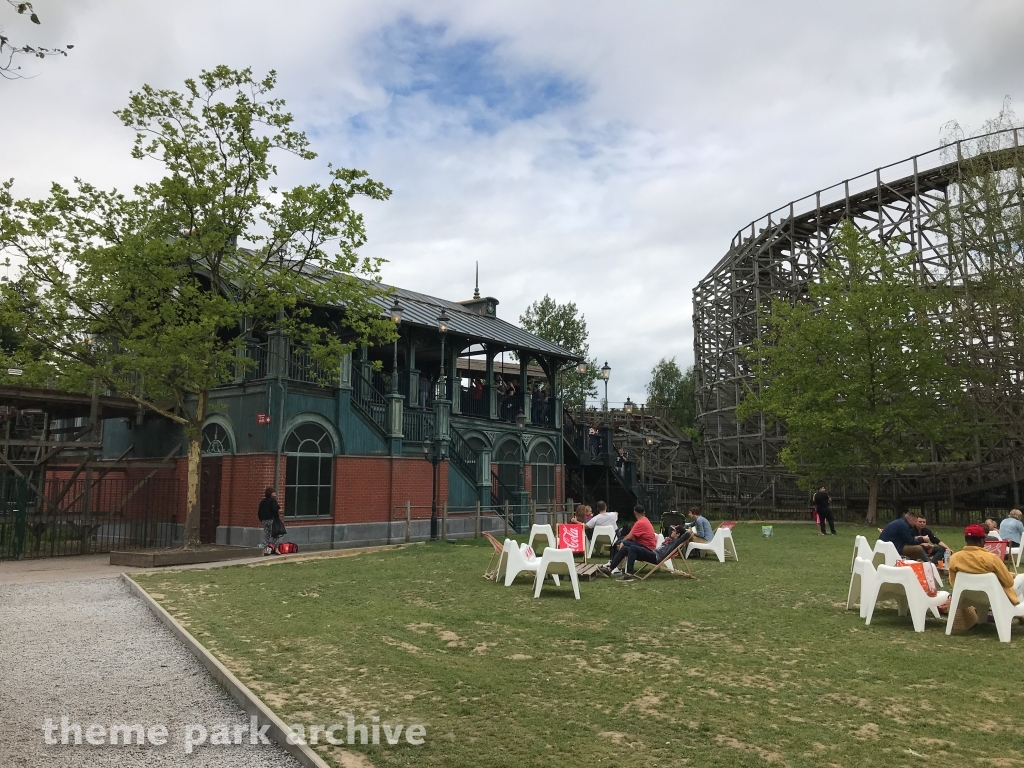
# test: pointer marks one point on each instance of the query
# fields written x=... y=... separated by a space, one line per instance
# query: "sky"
x=602 y=153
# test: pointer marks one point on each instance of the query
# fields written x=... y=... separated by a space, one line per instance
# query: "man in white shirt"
x=603 y=517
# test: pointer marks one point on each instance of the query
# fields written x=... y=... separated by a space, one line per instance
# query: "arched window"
x=507 y=457
x=542 y=461
x=216 y=439
x=309 y=472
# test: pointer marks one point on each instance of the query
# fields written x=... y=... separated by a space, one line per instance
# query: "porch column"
x=483 y=477
x=492 y=402
x=414 y=376
x=524 y=393
x=456 y=389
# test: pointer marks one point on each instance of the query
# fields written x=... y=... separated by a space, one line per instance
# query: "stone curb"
x=250 y=702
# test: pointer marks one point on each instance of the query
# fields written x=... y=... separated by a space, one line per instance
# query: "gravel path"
x=91 y=651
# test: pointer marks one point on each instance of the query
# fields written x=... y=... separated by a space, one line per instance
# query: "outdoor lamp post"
x=442 y=328
x=581 y=368
x=432 y=454
x=396 y=318
x=606 y=372
x=521 y=426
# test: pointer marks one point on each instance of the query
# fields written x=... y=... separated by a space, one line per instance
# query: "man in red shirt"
x=638 y=544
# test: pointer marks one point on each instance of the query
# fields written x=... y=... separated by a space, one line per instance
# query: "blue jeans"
x=630 y=551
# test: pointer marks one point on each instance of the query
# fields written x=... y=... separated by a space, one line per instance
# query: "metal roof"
x=420 y=309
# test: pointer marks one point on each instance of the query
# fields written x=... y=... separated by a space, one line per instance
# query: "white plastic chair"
x=721 y=544
x=980 y=589
x=901 y=585
x=515 y=559
x=862 y=577
x=555 y=563
x=1015 y=554
x=604 y=533
x=544 y=530
x=861 y=549
x=885 y=554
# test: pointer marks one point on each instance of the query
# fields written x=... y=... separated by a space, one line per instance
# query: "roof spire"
x=476 y=291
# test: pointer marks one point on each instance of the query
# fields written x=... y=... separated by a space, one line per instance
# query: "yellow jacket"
x=979 y=560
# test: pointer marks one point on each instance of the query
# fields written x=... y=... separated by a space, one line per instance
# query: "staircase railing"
x=569 y=432
x=369 y=400
x=462 y=454
x=500 y=495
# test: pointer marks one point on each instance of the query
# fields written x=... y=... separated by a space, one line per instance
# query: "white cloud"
x=692 y=119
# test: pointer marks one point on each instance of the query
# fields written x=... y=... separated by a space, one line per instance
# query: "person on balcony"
x=536 y=405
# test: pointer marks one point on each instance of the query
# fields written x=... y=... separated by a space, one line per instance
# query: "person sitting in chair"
x=902 y=533
x=698 y=530
x=638 y=544
x=1011 y=527
x=936 y=548
x=974 y=558
x=603 y=517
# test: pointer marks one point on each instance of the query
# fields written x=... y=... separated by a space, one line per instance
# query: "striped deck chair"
x=496 y=553
x=666 y=559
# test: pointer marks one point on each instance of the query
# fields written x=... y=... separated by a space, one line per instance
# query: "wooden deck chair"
x=496 y=553
x=666 y=559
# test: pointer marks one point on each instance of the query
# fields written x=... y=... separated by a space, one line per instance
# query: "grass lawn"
x=753 y=663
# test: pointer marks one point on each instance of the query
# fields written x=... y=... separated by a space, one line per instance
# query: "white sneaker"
x=616 y=571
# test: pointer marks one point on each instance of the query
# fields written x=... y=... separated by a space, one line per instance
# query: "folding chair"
x=1000 y=548
x=667 y=562
x=496 y=553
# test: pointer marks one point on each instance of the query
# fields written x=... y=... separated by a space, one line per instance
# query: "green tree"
x=857 y=373
x=675 y=391
x=983 y=224
x=564 y=325
x=158 y=293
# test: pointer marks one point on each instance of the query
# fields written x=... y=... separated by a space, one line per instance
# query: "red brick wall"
x=364 y=492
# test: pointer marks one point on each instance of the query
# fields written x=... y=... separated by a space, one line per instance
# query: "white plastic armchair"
x=545 y=530
x=885 y=554
x=555 y=563
x=515 y=559
x=1015 y=554
x=980 y=589
x=860 y=581
x=721 y=544
x=901 y=585
x=602 y=534
x=861 y=549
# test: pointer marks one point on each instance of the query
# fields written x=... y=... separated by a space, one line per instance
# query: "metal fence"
x=79 y=518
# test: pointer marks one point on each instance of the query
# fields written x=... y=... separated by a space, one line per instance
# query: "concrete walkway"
x=77 y=644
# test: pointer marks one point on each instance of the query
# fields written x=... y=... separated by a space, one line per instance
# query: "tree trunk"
x=872 y=500
x=195 y=445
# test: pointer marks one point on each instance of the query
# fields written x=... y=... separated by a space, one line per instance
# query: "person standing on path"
x=269 y=512
x=822 y=505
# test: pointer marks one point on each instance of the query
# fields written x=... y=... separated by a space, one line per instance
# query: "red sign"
x=570 y=536
x=262 y=418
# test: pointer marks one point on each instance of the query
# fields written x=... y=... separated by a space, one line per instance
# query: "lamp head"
x=582 y=367
x=521 y=421
x=396 y=312
x=442 y=322
x=628 y=407
x=606 y=371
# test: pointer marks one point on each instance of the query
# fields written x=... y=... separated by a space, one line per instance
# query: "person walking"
x=822 y=505
x=269 y=513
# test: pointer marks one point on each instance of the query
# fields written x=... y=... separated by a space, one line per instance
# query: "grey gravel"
x=92 y=651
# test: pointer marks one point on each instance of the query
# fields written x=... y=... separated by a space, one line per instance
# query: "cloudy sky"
x=603 y=153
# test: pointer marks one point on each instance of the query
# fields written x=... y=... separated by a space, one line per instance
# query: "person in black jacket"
x=269 y=512
x=823 y=506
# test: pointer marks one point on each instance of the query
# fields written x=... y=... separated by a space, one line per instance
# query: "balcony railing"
x=476 y=402
x=302 y=367
x=417 y=426
x=258 y=354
